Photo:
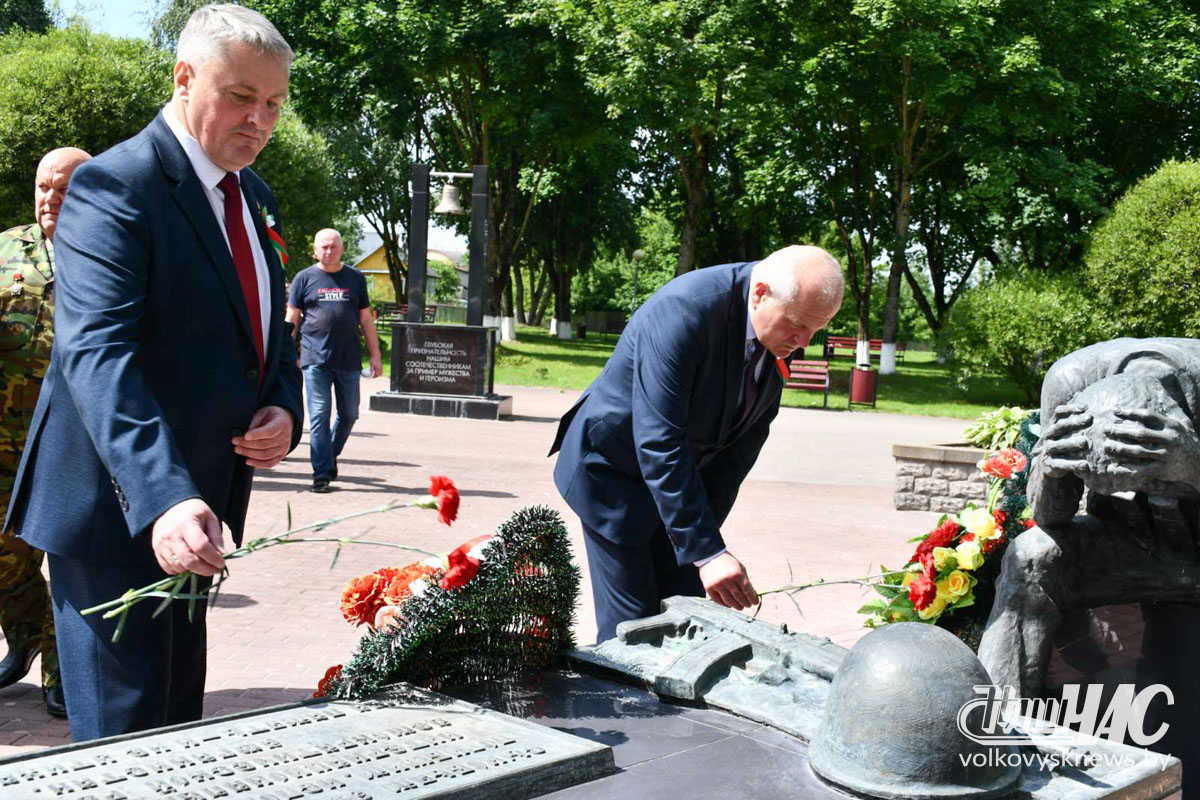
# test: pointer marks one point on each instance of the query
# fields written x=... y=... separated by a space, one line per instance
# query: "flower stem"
x=170 y=587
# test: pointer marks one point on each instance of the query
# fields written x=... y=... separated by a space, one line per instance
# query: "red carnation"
x=1005 y=463
x=941 y=536
x=990 y=545
x=448 y=506
x=1001 y=517
x=922 y=592
x=1029 y=523
x=463 y=565
x=444 y=490
x=331 y=675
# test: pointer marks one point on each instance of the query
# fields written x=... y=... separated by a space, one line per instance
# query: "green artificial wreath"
x=514 y=615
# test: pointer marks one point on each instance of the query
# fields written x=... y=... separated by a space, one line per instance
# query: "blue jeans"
x=325 y=446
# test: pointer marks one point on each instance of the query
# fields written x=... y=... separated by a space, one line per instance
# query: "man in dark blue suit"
x=653 y=454
x=171 y=378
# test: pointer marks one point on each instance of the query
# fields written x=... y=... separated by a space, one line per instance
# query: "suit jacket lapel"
x=189 y=193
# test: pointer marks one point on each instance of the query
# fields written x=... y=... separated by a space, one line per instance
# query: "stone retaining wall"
x=938 y=477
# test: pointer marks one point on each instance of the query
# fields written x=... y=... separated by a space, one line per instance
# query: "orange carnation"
x=399 y=586
x=362 y=597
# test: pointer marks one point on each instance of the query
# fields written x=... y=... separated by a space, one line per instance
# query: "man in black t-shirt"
x=326 y=307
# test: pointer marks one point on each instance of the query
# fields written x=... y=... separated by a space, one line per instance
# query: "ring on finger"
x=174 y=559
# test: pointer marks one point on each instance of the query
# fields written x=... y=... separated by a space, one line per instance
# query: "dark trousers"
x=25 y=613
x=153 y=676
x=631 y=582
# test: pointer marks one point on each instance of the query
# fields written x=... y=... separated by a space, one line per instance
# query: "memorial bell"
x=450 y=202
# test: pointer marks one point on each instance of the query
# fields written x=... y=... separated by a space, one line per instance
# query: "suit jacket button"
x=252 y=374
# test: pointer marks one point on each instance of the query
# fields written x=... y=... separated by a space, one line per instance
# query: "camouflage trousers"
x=26 y=615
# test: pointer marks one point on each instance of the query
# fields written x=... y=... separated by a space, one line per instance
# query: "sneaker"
x=321 y=486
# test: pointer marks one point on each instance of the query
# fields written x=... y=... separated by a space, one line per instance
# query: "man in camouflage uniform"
x=26 y=334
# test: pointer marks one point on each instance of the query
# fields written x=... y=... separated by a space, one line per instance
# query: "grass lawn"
x=920 y=385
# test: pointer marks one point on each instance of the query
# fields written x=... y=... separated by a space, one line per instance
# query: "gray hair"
x=784 y=269
x=211 y=29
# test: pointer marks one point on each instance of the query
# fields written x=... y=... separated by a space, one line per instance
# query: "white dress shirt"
x=210 y=175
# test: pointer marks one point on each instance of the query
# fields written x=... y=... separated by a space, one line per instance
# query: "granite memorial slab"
x=404 y=742
x=444 y=371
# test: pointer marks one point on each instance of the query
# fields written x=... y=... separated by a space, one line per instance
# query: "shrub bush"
x=1018 y=327
x=1143 y=262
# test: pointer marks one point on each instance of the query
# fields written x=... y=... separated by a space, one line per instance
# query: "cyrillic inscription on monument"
x=441 y=359
x=405 y=743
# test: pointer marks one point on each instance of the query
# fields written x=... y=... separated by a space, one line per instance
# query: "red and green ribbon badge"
x=782 y=368
x=273 y=235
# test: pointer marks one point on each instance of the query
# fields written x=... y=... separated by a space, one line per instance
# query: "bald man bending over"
x=26 y=335
x=653 y=454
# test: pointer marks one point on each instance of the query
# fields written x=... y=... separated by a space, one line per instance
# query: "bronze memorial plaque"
x=403 y=742
x=441 y=359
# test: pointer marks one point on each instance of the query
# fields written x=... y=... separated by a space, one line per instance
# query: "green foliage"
x=609 y=284
x=169 y=19
x=996 y=430
x=1019 y=327
x=449 y=285
x=28 y=15
x=515 y=615
x=296 y=165
x=1144 y=259
x=70 y=87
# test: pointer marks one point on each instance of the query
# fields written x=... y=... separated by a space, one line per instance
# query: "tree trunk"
x=695 y=181
x=519 y=284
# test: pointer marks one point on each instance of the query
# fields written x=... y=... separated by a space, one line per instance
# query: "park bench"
x=835 y=345
x=398 y=312
x=809 y=376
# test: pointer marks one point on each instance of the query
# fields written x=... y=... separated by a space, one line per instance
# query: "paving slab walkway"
x=817 y=505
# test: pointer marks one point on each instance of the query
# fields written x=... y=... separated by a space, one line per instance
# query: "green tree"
x=1019 y=326
x=297 y=166
x=449 y=285
x=485 y=83
x=28 y=15
x=676 y=70
x=70 y=87
x=1144 y=260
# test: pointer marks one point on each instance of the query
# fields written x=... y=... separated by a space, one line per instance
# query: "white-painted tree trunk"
x=862 y=354
x=508 y=329
x=560 y=328
x=887 y=358
x=490 y=321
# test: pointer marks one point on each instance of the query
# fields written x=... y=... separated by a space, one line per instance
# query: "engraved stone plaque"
x=441 y=359
x=404 y=742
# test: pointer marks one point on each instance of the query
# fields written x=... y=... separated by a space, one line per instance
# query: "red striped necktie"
x=243 y=259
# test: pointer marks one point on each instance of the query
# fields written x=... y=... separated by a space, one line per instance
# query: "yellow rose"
x=980 y=522
x=969 y=555
x=958 y=583
x=939 y=557
x=934 y=609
